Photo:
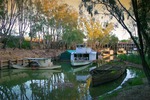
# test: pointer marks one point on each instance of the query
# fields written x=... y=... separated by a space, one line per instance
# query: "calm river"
x=66 y=84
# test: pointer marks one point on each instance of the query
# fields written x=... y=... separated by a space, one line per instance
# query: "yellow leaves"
x=47 y=6
x=66 y=14
x=62 y=13
x=95 y=30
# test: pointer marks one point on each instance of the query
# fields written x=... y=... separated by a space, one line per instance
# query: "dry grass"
x=22 y=53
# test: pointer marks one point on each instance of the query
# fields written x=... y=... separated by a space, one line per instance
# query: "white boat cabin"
x=83 y=54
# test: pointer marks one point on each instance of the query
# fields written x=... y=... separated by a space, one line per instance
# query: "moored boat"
x=106 y=73
x=82 y=56
x=37 y=63
x=121 y=51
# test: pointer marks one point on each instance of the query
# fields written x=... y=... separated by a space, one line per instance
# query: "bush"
x=14 y=43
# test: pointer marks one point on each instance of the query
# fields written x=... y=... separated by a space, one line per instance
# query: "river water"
x=66 y=84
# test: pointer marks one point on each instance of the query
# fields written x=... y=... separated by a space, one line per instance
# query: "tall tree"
x=138 y=16
x=8 y=16
x=72 y=37
x=23 y=20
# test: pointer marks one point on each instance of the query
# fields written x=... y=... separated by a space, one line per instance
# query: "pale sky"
x=120 y=32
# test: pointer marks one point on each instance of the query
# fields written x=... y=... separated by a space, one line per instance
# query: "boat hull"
x=80 y=63
x=44 y=68
x=104 y=76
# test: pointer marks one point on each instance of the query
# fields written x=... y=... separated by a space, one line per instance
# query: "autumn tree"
x=97 y=34
x=138 y=14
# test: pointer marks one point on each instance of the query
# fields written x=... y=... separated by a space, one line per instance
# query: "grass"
x=131 y=58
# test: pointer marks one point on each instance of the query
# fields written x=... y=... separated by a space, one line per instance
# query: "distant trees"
x=139 y=17
x=43 y=20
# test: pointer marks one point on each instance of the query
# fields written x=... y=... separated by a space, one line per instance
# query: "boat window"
x=80 y=46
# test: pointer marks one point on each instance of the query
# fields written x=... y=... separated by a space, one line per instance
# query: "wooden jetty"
x=5 y=64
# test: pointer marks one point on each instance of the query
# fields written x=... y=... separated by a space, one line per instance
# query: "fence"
x=6 y=64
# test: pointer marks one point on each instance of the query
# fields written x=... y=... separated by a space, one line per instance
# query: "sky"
x=119 y=32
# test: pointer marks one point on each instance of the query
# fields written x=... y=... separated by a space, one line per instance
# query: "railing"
x=5 y=64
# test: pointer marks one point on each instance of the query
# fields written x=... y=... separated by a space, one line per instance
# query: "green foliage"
x=72 y=36
x=25 y=44
x=13 y=42
x=134 y=82
x=124 y=40
x=113 y=40
x=132 y=58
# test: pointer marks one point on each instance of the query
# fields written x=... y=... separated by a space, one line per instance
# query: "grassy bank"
x=132 y=58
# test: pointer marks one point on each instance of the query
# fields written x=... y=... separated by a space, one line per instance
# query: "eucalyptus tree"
x=23 y=19
x=138 y=15
x=71 y=37
x=8 y=16
x=113 y=40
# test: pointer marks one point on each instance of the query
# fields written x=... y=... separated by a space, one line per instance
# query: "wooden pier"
x=5 y=64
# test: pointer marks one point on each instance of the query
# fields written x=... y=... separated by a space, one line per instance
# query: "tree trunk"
x=31 y=42
x=146 y=68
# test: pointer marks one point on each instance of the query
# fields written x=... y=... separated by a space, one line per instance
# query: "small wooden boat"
x=37 y=63
x=106 y=73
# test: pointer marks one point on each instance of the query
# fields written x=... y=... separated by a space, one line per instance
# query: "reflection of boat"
x=121 y=51
x=82 y=56
x=37 y=63
x=79 y=68
x=108 y=59
x=106 y=73
x=82 y=78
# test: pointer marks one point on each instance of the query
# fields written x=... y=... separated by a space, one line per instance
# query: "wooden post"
x=16 y=61
x=1 y=64
x=23 y=61
x=9 y=64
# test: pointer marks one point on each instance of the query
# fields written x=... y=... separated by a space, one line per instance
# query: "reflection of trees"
x=56 y=87
x=43 y=86
x=7 y=93
x=23 y=92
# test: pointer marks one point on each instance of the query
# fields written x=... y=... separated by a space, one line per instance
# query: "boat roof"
x=71 y=51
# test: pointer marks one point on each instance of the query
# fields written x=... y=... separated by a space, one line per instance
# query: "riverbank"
x=140 y=92
x=23 y=53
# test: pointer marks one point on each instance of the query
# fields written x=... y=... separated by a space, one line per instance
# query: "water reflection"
x=73 y=83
